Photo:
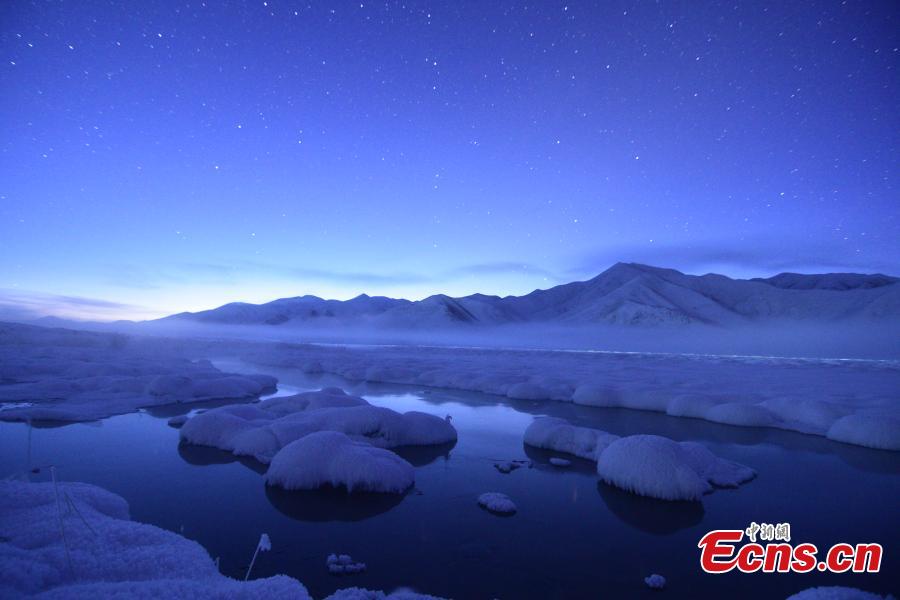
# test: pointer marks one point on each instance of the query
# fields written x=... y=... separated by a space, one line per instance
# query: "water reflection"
x=205 y=455
x=330 y=504
x=419 y=456
x=659 y=517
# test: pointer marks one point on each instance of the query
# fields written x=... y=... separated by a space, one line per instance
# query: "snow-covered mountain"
x=626 y=293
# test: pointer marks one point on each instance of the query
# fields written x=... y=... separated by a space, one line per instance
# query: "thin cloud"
x=756 y=257
x=26 y=305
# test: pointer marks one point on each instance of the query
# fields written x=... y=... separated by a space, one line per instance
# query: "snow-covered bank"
x=648 y=465
x=321 y=438
x=77 y=541
x=851 y=401
x=79 y=376
x=104 y=553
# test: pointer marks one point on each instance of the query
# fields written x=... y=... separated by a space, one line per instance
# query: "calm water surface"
x=572 y=537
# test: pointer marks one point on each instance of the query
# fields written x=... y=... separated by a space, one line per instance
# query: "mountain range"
x=625 y=294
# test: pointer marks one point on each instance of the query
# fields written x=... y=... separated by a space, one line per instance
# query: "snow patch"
x=343 y=564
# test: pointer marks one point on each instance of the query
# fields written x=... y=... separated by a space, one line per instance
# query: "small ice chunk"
x=560 y=462
x=507 y=466
x=496 y=502
x=655 y=581
x=343 y=564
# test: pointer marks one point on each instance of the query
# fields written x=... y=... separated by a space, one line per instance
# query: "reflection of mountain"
x=626 y=294
x=659 y=517
x=419 y=456
x=331 y=504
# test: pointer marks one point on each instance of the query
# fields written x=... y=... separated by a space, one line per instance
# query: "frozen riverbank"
x=852 y=401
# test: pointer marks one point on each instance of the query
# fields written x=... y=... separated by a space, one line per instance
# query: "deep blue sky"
x=168 y=156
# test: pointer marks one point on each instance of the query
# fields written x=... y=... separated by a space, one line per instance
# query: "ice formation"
x=496 y=502
x=343 y=564
x=330 y=458
x=108 y=554
x=560 y=462
x=552 y=433
x=261 y=430
x=806 y=395
x=655 y=581
x=647 y=465
x=79 y=376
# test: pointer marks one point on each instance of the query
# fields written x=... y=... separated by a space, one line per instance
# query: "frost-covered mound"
x=836 y=593
x=810 y=396
x=496 y=502
x=552 y=433
x=262 y=430
x=78 y=376
x=648 y=465
x=111 y=556
x=331 y=458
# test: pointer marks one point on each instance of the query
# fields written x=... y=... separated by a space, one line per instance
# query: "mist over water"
x=808 y=339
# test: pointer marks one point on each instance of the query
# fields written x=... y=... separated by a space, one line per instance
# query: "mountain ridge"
x=624 y=294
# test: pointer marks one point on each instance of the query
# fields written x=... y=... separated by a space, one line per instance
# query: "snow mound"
x=867 y=430
x=655 y=581
x=496 y=502
x=343 y=564
x=331 y=458
x=262 y=430
x=114 y=557
x=552 y=433
x=836 y=593
x=658 y=467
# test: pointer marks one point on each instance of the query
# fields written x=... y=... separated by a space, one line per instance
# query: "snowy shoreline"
x=78 y=375
x=856 y=402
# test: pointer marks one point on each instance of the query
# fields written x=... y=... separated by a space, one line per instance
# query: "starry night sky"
x=165 y=156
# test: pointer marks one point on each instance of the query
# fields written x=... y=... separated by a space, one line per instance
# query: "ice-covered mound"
x=867 y=430
x=650 y=465
x=552 y=433
x=836 y=593
x=114 y=557
x=496 y=502
x=330 y=458
x=343 y=564
x=76 y=376
x=262 y=430
x=560 y=462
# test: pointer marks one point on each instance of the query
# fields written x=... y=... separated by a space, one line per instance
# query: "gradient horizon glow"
x=160 y=157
